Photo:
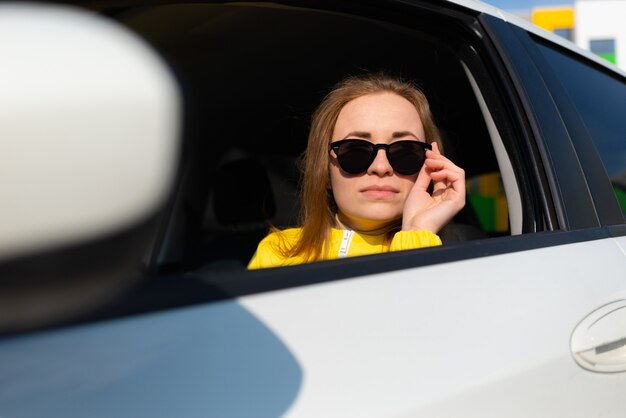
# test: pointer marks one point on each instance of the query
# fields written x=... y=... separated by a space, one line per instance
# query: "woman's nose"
x=380 y=166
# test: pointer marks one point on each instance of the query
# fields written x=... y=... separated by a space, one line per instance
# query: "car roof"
x=481 y=7
x=488 y=9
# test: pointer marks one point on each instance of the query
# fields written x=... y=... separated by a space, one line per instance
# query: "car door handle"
x=598 y=342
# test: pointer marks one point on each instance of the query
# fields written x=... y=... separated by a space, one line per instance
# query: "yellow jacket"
x=342 y=243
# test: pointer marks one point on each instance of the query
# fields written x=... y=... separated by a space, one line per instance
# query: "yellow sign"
x=551 y=18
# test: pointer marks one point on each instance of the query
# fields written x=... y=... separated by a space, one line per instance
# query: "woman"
x=373 y=151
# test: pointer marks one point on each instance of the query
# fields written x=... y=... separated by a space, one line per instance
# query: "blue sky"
x=525 y=4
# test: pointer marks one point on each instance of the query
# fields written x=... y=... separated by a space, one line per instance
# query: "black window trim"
x=503 y=103
x=572 y=199
x=598 y=181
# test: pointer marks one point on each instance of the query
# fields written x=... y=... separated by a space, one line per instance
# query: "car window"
x=600 y=101
x=251 y=78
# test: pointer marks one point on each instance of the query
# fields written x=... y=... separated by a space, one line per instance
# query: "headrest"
x=242 y=193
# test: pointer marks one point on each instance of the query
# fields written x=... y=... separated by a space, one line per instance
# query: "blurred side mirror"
x=89 y=142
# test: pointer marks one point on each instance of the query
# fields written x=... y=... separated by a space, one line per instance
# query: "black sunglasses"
x=356 y=155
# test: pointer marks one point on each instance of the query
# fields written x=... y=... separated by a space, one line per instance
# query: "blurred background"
x=595 y=25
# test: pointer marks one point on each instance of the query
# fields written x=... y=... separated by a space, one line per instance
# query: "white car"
x=146 y=146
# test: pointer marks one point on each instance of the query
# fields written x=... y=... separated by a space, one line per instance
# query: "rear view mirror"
x=89 y=138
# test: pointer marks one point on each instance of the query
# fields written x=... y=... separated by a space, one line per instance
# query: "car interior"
x=251 y=76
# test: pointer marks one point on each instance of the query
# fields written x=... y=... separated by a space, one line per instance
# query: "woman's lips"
x=379 y=192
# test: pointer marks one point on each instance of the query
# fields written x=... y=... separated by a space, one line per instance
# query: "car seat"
x=249 y=195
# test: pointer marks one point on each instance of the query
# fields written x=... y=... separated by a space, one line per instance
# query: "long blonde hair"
x=318 y=207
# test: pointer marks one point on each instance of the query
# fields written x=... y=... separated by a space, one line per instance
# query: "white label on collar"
x=345 y=243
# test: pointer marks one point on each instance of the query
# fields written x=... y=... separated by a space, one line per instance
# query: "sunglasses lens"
x=407 y=157
x=355 y=156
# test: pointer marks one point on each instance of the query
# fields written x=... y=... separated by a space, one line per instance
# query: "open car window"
x=252 y=76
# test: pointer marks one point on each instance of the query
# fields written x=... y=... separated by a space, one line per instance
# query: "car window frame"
x=547 y=235
x=538 y=184
x=533 y=215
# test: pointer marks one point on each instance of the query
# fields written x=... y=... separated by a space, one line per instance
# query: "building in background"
x=595 y=25
x=601 y=28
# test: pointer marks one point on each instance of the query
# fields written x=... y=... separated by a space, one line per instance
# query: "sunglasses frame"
x=334 y=146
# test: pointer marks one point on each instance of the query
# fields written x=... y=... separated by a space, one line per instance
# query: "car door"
x=488 y=333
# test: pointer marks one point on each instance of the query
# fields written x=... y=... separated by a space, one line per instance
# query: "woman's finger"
x=447 y=175
x=438 y=161
x=441 y=165
x=435 y=173
x=449 y=178
x=423 y=178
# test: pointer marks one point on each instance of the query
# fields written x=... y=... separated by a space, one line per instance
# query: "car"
x=124 y=283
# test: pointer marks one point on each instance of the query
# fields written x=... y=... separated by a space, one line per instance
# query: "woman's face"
x=374 y=199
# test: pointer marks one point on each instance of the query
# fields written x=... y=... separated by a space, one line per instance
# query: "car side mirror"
x=89 y=144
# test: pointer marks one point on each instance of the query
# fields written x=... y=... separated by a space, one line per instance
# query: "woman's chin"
x=370 y=219
x=382 y=212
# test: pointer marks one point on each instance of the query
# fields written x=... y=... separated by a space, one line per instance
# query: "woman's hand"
x=423 y=211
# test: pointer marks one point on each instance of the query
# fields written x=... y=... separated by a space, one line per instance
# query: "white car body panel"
x=501 y=342
x=621 y=243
